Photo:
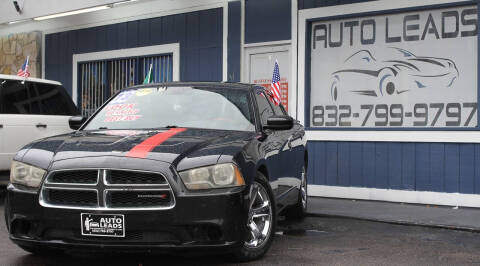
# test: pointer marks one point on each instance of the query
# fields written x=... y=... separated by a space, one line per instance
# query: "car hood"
x=168 y=145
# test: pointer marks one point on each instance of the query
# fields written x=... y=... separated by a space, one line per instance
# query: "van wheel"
x=260 y=223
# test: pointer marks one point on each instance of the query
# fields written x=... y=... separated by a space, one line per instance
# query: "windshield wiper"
x=171 y=126
x=103 y=128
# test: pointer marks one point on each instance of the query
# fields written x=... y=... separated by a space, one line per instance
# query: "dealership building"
x=387 y=90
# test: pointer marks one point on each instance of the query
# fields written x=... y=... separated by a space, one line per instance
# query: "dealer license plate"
x=107 y=225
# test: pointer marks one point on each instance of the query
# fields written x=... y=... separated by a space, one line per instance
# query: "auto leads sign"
x=415 y=69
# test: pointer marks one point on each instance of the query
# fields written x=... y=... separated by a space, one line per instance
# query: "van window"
x=54 y=100
x=34 y=99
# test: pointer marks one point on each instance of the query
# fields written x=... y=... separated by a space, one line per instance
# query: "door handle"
x=41 y=125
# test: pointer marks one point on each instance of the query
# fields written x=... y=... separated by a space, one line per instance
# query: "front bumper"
x=198 y=221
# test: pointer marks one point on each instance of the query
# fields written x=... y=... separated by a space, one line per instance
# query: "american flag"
x=23 y=71
x=275 y=87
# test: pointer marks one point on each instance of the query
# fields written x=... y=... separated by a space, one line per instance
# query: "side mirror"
x=75 y=122
x=279 y=122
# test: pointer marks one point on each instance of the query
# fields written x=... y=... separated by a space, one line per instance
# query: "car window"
x=278 y=110
x=54 y=100
x=34 y=98
x=264 y=108
x=15 y=97
x=157 y=107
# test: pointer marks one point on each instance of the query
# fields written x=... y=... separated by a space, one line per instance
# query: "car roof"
x=14 y=77
x=220 y=85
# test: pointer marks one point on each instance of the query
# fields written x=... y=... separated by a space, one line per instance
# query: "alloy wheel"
x=259 y=222
x=303 y=189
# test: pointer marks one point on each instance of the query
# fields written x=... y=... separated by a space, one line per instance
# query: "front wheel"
x=261 y=221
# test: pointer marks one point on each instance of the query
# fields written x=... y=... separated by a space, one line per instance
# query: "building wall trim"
x=395 y=136
x=173 y=48
x=391 y=195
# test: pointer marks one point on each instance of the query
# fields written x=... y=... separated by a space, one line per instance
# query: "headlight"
x=27 y=175
x=216 y=176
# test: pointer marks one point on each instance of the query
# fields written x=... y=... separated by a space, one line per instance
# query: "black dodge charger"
x=163 y=167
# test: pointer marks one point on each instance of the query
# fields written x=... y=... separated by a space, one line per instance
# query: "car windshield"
x=158 y=107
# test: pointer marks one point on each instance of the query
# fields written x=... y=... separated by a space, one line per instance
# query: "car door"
x=290 y=156
x=56 y=109
x=31 y=112
x=18 y=121
x=270 y=145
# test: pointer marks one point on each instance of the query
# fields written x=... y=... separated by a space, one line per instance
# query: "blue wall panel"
x=467 y=169
x=268 y=20
x=381 y=165
x=200 y=35
x=321 y=166
x=422 y=166
x=234 y=36
x=408 y=166
x=477 y=170
x=368 y=168
x=395 y=165
x=143 y=32
x=332 y=164
x=437 y=166
x=452 y=167
x=155 y=30
x=356 y=166
x=405 y=166
x=343 y=164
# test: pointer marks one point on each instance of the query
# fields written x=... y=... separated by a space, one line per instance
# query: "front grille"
x=117 y=177
x=119 y=199
x=104 y=189
x=72 y=197
x=74 y=177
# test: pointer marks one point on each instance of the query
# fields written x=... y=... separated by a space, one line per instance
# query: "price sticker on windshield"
x=123 y=97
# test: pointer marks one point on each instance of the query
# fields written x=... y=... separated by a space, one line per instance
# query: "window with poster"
x=260 y=62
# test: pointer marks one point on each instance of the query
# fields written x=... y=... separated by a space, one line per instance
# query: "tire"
x=249 y=250
x=41 y=251
x=299 y=210
x=6 y=210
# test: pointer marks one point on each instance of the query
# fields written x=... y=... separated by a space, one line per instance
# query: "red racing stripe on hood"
x=141 y=150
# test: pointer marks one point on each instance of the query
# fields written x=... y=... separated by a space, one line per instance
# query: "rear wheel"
x=300 y=208
x=261 y=221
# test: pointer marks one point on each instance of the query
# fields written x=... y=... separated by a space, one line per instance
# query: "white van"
x=29 y=110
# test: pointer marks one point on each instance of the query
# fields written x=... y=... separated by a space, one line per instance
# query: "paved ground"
x=313 y=241
x=435 y=216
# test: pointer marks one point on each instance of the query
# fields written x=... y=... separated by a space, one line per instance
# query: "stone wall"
x=15 y=48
